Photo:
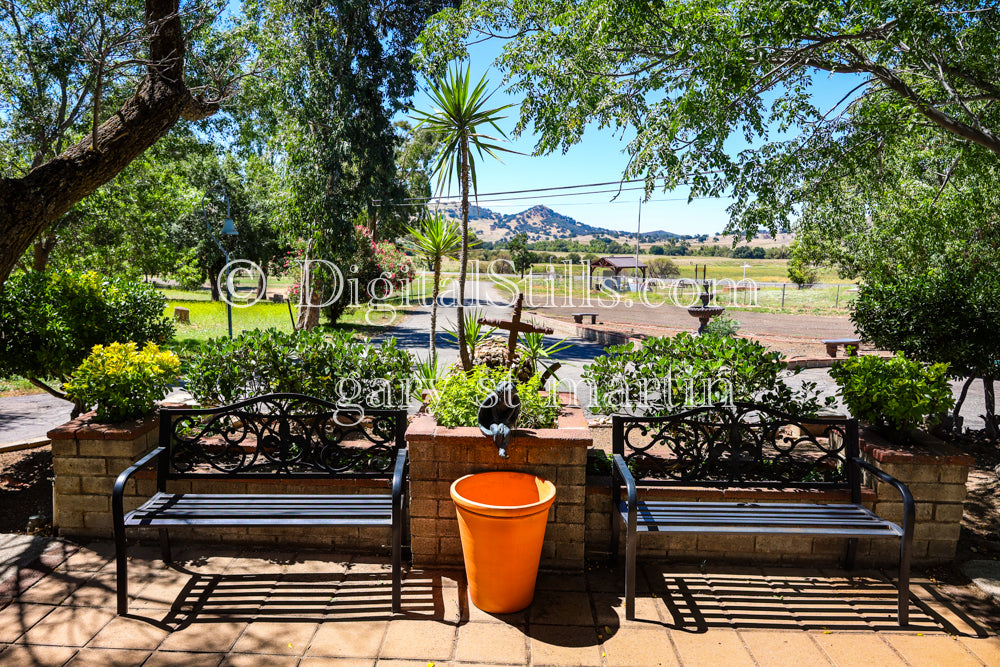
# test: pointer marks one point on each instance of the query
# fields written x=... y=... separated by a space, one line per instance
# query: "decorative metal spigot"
x=498 y=414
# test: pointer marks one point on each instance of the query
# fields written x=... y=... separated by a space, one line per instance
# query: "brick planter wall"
x=88 y=457
x=439 y=456
x=936 y=473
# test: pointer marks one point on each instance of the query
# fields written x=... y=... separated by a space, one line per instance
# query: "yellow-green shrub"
x=121 y=381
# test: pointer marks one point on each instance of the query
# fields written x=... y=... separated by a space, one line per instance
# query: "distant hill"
x=540 y=223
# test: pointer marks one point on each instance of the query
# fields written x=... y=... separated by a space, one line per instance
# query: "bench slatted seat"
x=287 y=437
x=741 y=447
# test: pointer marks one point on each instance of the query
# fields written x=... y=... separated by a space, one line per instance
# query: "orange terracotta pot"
x=501 y=519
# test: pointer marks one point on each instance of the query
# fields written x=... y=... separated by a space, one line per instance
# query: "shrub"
x=333 y=367
x=121 y=381
x=895 y=394
x=458 y=397
x=51 y=320
x=662 y=267
x=723 y=325
x=669 y=375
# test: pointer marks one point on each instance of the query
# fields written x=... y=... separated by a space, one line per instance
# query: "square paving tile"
x=211 y=636
x=285 y=638
x=633 y=646
x=561 y=608
x=494 y=643
x=19 y=655
x=131 y=633
x=780 y=647
x=252 y=660
x=337 y=662
x=932 y=650
x=564 y=645
x=101 y=657
x=422 y=640
x=702 y=649
x=347 y=639
x=18 y=617
x=856 y=649
x=182 y=659
x=67 y=626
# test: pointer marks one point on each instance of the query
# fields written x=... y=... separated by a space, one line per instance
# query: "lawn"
x=208 y=319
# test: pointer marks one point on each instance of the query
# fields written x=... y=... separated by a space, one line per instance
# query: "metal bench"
x=850 y=346
x=743 y=447
x=578 y=317
x=288 y=437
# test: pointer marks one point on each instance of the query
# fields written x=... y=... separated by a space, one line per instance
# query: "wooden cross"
x=515 y=326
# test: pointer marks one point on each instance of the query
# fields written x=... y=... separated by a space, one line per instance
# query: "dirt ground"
x=792 y=335
x=26 y=490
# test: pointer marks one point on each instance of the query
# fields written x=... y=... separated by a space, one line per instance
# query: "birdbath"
x=705 y=312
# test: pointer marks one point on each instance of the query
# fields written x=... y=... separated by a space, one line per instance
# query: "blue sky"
x=599 y=157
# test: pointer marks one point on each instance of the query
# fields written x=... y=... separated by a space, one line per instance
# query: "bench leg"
x=852 y=553
x=121 y=567
x=904 y=582
x=630 y=549
x=397 y=576
x=165 y=546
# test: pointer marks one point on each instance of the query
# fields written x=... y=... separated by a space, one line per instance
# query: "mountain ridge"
x=539 y=223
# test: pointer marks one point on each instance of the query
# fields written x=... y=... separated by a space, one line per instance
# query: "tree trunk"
x=959 y=402
x=990 y=400
x=30 y=204
x=43 y=250
x=463 y=348
x=435 y=292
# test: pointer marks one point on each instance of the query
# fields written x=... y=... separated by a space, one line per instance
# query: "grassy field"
x=833 y=300
x=719 y=268
x=208 y=319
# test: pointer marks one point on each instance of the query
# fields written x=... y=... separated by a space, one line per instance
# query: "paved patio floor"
x=216 y=607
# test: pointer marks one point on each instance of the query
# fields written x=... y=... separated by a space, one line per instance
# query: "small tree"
x=519 y=253
x=457 y=120
x=800 y=270
x=436 y=239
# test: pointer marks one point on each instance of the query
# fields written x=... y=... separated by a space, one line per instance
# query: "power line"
x=413 y=200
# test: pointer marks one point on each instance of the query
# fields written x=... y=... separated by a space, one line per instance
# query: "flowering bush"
x=373 y=263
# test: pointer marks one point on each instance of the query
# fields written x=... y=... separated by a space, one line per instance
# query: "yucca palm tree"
x=436 y=239
x=456 y=121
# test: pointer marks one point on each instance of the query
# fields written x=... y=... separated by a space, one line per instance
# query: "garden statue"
x=498 y=414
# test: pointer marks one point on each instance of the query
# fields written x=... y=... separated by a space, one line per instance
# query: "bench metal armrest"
x=621 y=468
x=399 y=474
x=118 y=492
x=909 y=508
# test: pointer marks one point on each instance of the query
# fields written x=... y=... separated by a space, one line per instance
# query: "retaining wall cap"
x=571 y=430
x=84 y=428
x=929 y=450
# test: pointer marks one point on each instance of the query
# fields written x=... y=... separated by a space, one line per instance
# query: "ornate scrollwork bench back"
x=743 y=445
x=285 y=437
x=746 y=446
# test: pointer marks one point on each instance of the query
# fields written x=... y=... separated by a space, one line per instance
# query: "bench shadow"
x=749 y=598
x=306 y=597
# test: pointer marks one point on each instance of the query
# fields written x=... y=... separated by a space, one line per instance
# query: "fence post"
x=837 y=304
x=783 y=294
